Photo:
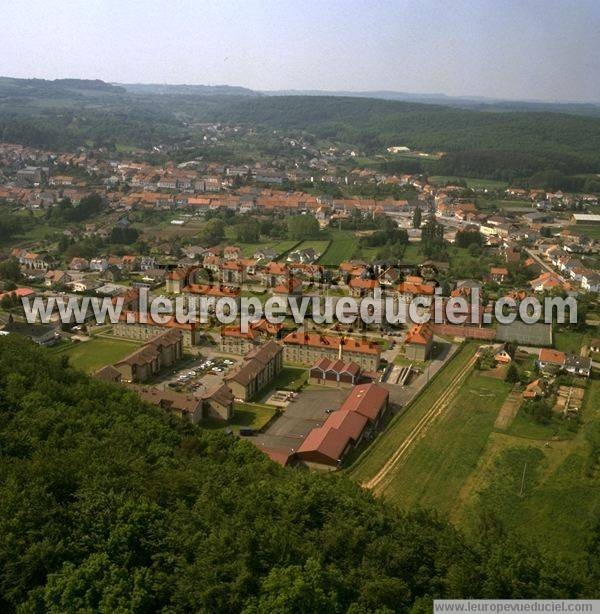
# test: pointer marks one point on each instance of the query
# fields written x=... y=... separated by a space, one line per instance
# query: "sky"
x=513 y=49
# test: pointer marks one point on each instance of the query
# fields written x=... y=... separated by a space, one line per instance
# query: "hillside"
x=496 y=142
x=106 y=504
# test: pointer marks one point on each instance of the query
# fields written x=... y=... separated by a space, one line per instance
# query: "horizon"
x=540 y=52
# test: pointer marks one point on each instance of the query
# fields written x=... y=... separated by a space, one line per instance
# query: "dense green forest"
x=497 y=144
x=109 y=505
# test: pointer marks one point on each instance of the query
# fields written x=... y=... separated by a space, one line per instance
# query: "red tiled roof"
x=421 y=334
x=366 y=399
x=552 y=356
x=351 y=423
x=349 y=344
x=327 y=441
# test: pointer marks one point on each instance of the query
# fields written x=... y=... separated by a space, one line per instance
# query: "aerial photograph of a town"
x=299 y=306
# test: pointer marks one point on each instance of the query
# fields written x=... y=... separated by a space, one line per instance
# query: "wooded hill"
x=107 y=504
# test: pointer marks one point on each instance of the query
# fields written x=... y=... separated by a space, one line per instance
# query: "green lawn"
x=320 y=246
x=290 y=378
x=377 y=453
x=247 y=415
x=96 y=353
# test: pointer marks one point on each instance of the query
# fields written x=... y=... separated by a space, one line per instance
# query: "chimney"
x=340 y=349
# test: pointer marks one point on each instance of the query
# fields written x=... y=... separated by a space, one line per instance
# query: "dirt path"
x=509 y=410
x=385 y=474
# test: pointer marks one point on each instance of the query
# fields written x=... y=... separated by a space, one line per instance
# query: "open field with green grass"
x=546 y=492
x=379 y=451
x=541 y=489
x=567 y=340
x=439 y=464
x=474 y=184
x=95 y=353
x=320 y=246
x=342 y=247
x=589 y=230
x=279 y=247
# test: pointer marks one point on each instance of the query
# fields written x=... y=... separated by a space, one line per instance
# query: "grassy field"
x=342 y=247
x=569 y=340
x=247 y=415
x=540 y=489
x=290 y=378
x=474 y=184
x=590 y=230
x=96 y=353
x=320 y=246
x=544 y=492
x=375 y=456
x=439 y=464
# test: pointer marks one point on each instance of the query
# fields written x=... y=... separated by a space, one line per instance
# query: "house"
x=234 y=341
x=259 y=369
x=79 y=264
x=498 y=274
x=418 y=342
x=98 y=264
x=42 y=334
x=142 y=327
x=578 y=365
x=56 y=277
x=368 y=400
x=218 y=403
x=360 y=287
x=535 y=389
x=504 y=354
x=551 y=360
x=307 y=255
x=324 y=447
x=590 y=281
x=327 y=372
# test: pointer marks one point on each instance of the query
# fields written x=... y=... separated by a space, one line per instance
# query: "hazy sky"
x=542 y=49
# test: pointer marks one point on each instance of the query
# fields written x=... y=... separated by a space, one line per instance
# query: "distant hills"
x=188 y=90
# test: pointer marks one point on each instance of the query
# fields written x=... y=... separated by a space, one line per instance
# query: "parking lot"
x=200 y=374
x=306 y=412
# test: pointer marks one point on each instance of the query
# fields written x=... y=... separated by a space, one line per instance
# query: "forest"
x=490 y=142
x=110 y=505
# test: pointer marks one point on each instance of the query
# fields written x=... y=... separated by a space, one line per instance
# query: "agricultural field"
x=569 y=340
x=96 y=353
x=279 y=247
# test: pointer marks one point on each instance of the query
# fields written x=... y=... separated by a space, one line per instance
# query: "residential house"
x=418 y=342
